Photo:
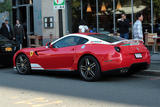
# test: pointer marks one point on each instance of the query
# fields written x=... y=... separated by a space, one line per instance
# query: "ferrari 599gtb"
x=90 y=54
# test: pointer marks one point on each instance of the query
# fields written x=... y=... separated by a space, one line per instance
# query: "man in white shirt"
x=137 y=28
x=83 y=28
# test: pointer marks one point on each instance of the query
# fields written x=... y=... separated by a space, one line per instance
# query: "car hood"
x=5 y=41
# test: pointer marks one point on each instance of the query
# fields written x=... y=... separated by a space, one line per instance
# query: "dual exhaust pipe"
x=124 y=70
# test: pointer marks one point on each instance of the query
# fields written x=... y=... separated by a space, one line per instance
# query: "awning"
x=128 y=9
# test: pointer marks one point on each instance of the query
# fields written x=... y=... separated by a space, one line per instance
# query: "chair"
x=35 y=41
x=149 y=41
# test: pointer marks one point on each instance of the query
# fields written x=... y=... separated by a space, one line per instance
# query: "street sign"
x=59 y=4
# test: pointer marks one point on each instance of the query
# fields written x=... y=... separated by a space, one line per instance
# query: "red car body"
x=67 y=58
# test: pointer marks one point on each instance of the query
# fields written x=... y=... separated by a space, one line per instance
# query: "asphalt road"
x=68 y=90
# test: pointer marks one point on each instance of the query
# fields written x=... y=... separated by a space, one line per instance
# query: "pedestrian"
x=2 y=27
x=19 y=34
x=6 y=30
x=91 y=29
x=83 y=28
x=137 y=27
x=123 y=24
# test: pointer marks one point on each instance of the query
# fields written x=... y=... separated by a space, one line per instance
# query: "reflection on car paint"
x=83 y=46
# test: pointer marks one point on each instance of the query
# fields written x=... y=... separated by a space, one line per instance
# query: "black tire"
x=23 y=64
x=89 y=68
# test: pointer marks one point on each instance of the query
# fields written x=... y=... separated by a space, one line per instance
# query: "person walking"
x=2 y=27
x=6 y=30
x=123 y=26
x=83 y=28
x=137 y=28
x=19 y=34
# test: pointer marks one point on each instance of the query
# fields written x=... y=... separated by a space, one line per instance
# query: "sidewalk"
x=154 y=69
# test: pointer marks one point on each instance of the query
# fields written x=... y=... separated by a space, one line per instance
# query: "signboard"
x=59 y=4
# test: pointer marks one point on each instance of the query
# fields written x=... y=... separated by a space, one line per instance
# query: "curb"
x=155 y=62
x=150 y=72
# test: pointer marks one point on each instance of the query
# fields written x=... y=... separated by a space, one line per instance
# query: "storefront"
x=103 y=14
x=23 y=10
x=42 y=19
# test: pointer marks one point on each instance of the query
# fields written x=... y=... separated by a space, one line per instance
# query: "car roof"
x=87 y=33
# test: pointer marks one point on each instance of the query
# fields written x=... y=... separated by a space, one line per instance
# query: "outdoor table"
x=155 y=43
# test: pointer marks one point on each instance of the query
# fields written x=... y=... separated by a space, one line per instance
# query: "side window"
x=66 y=42
x=82 y=41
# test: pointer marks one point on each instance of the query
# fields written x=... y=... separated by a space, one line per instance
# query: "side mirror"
x=48 y=44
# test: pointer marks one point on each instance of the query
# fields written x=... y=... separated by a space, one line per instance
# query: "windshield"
x=107 y=38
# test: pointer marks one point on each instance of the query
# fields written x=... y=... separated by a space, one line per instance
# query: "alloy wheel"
x=89 y=68
x=23 y=64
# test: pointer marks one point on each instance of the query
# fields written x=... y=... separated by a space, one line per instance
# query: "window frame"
x=53 y=45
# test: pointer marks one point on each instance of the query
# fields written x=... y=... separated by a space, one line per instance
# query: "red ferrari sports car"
x=90 y=54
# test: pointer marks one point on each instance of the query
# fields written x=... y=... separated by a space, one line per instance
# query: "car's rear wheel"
x=89 y=68
x=23 y=64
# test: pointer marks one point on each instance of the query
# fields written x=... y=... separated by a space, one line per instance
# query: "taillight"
x=117 y=49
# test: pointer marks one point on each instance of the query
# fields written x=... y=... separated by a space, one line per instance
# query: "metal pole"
x=114 y=16
x=152 y=16
x=132 y=16
x=60 y=16
x=66 y=20
x=97 y=15
x=28 y=23
x=81 y=9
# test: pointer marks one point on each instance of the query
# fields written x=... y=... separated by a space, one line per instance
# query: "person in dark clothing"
x=123 y=26
x=19 y=34
x=2 y=26
x=6 y=30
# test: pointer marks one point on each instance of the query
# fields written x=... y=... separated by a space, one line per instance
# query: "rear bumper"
x=136 y=67
x=124 y=60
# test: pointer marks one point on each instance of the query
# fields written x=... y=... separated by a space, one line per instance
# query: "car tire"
x=89 y=68
x=23 y=64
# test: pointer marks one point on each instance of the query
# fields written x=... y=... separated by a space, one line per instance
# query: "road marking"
x=14 y=97
x=37 y=102
x=40 y=99
x=54 y=102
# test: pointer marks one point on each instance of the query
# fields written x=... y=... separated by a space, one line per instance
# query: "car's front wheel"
x=23 y=64
x=89 y=68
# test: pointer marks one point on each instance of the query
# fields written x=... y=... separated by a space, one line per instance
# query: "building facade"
x=40 y=18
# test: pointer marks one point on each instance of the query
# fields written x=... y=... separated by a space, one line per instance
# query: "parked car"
x=90 y=54
x=7 y=50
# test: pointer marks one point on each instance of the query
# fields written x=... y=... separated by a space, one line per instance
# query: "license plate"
x=8 y=49
x=138 y=55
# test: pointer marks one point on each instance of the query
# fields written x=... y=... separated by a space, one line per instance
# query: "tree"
x=6 y=6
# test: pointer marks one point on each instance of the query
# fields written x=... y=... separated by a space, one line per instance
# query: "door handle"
x=73 y=49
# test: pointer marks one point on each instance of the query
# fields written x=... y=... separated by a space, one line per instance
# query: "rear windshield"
x=107 y=38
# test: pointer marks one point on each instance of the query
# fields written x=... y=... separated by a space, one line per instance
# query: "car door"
x=61 y=55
